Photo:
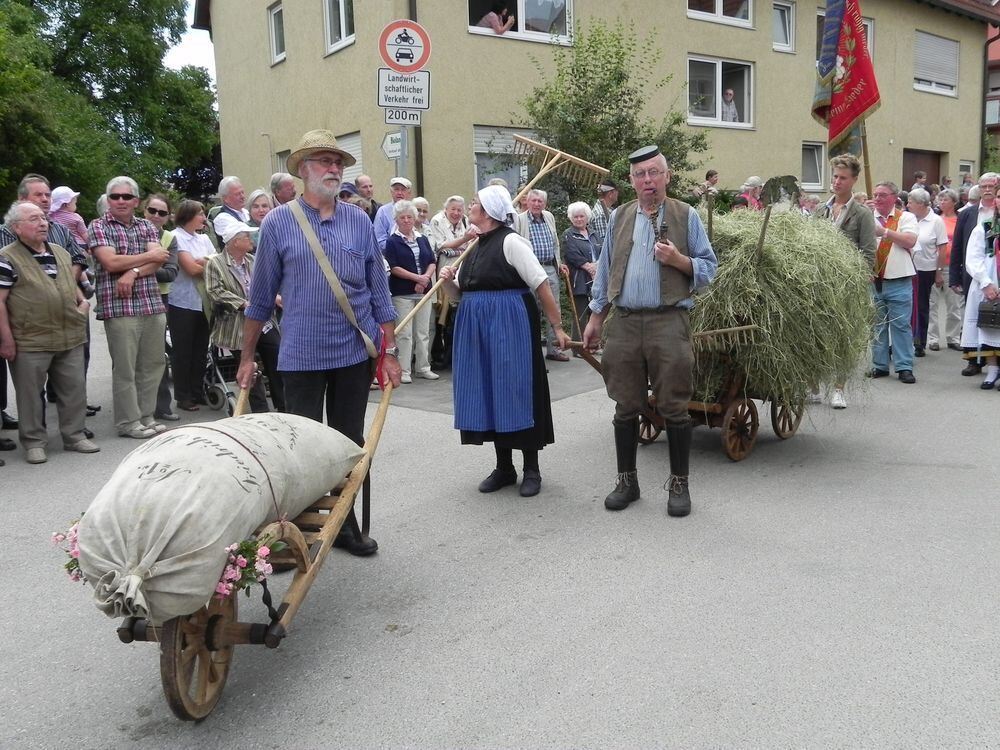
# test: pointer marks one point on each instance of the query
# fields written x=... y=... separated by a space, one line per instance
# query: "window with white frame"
x=867 y=23
x=351 y=143
x=535 y=20
x=490 y=145
x=338 y=20
x=720 y=92
x=783 y=26
x=276 y=25
x=813 y=163
x=935 y=64
x=965 y=168
x=738 y=12
x=282 y=161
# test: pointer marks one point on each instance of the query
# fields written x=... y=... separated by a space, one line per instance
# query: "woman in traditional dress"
x=501 y=390
x=982 y=263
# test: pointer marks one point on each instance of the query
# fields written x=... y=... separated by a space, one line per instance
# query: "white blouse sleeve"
x=519 y=254
x=975 y=257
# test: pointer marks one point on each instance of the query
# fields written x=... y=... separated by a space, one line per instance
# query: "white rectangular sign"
x=392 y=145
x=404 y=90
x=395 y=116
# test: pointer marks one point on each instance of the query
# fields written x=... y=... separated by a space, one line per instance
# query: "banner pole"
x=864 y=155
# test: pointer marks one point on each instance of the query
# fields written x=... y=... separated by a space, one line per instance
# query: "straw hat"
x=313 y=141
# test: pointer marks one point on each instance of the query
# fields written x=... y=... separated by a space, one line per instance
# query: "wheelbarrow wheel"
x=739 y=428
x=785 y=417
x=195 y=659
x=648 y=430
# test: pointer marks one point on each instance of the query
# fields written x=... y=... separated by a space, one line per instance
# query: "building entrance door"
x=915 y=160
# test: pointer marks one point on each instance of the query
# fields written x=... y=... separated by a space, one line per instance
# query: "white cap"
x=401 y=181
x=61 y=196
x=234 y=229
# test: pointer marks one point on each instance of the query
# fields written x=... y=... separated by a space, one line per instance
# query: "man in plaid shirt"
x=128 y=253
x=607 y=199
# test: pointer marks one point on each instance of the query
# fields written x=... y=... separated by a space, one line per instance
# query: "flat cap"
x=644 y=154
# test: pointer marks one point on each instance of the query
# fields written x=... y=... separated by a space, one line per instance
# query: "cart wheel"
x=230 y=404
x=785 y=418
x=739 y=428
x=648 y=431
x=216 y=397
x=193 y=668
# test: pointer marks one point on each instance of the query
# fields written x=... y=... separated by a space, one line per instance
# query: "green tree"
x=591 y=105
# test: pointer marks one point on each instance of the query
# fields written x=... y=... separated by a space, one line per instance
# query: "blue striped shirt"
x=641 y=285
x=543 y=242
x=315 y=333
x=384 y=224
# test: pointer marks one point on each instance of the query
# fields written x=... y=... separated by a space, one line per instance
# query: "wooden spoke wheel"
x=739 y=428
x=785 y=418
x=648 y=430
x=195 y=659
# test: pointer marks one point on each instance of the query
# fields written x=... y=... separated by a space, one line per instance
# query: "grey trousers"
x=65 y=372
x=136 y=348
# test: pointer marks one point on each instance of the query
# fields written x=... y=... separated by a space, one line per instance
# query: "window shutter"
x=351 y=143
x=935 y=59
x=488 y=139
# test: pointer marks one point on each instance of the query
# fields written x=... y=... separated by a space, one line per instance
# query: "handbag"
x=989 y=314
x=331 y=276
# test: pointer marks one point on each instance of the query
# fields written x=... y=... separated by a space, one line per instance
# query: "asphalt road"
x=838 y=589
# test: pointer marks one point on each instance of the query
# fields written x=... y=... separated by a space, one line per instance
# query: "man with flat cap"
x=607 y=199
x=655 y=255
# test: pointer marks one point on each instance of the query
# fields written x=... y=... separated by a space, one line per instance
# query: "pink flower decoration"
x=263 y=552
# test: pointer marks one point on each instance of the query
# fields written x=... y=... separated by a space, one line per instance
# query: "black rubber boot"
x=678 y=497
x=626 y=443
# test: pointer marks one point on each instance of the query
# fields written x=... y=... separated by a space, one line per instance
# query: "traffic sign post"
x=402 y=116
x=404 y=90
x=405 y=46
x=404 y=87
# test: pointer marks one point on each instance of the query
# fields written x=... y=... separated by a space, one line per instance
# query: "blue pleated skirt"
x=501 y=390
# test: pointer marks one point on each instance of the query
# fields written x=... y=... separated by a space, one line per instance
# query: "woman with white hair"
x=411 y=275
x=501 y=391
x=423 y=224
x=580 y=251
x=258 y=205
x=751 y=190
x=928 y=259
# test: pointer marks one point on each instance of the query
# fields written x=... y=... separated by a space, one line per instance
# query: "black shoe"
x=92 y=410
x=626 y=491
x=955 y=347
x=7 y=445
x=167 y=416
x=498 y=479
x=679 y=499
x=359 y=547
x=987 y=385
x=531 y=483
x=906 y=376
x=918 y=351
x=877 y=373
x=88 y=434
x=8 y=422
x=972 y=369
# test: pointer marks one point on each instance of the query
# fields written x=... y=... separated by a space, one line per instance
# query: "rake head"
x=723 y=339
x=550 y=160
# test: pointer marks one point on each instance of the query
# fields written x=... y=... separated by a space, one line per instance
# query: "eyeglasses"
x=650 y=173
x=326 y=161
x=156 y=212
x=883 y=195
x=120 y=196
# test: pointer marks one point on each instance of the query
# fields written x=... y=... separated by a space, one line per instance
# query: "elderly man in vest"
x=655 y=255
x=43 y=326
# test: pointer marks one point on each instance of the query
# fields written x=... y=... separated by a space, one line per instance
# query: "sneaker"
x=83 y=446
x=36 y=456
x=137 y=431
x=405 y=378
x=150 y=424
x=837 y=400
x=428 y=375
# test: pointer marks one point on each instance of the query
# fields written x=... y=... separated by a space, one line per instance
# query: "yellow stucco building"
x=293 y=65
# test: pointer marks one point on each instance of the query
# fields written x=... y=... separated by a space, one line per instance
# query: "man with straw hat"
x=655 y=254
x=320 y=254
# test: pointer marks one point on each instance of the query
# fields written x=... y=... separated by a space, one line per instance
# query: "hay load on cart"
x=793 y=292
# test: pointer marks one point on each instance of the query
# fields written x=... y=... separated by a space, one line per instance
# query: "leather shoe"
x=362 y=547
x=987 y=385
x=955 y=347
x=36 y=456
x=8 y=422
x=679 y=498
x=92 y=410
x=83 y=446
x=906 y=376
x=626 y=491
x=934 y=347
x=498 y=479
x=7 y=445
x=918 y=351
x=972 y=369
x=531 y=484
x=88 y=434
x=877 y=373
x=167 y=416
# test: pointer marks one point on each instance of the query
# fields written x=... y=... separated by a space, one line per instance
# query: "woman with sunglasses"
x=185 y=313
x=157 y=211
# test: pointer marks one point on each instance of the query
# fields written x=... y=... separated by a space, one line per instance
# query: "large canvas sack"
x=153 y=542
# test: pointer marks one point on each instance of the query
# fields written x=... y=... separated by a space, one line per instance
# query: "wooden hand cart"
x=196 y=651
x=733 y=410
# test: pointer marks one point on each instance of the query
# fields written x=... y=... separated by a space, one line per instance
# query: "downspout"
x=986 y=88
x=418 y=138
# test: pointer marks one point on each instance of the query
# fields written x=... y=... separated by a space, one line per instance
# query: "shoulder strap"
x=331 y=276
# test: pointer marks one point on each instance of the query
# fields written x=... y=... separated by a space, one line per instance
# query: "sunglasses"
x=156 y=212
x=120 y=196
